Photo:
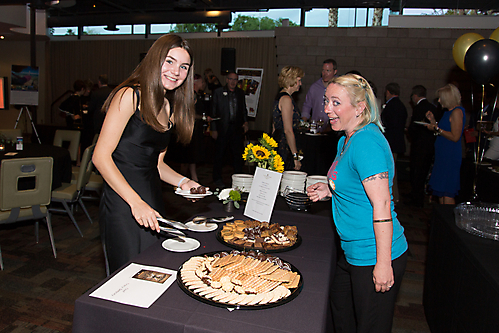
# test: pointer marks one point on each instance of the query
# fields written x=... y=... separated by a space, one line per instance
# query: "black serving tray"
x=294 y=292
x=242 y=248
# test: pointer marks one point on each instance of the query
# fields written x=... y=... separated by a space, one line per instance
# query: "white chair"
x=71 y=194
x=73 y=137
x=17 y=204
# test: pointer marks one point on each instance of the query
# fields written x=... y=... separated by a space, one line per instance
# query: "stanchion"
x=478 y=155
x=25 y=108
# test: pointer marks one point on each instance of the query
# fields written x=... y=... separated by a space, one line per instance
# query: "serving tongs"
x=175 y=224
x=204 y=219
x=177 y=234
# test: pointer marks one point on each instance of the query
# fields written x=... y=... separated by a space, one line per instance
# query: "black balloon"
x=482 y=60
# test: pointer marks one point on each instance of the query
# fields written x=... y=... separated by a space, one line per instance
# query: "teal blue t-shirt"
x=367 y=153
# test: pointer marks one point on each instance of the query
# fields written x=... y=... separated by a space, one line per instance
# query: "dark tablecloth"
x=487 y=186
x=319 y=151
x=461 y=287
x=62 y=167
x=175 y=311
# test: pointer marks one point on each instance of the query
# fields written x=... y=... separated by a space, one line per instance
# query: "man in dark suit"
x=422 y=144
x=229 y=105
x=393 y=118
x=97 y=99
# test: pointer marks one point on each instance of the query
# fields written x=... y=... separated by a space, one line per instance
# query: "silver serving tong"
x=175 y=224
x=173 y=232
x=204 y=219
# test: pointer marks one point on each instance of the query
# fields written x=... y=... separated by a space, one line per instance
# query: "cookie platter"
x=242 y=280
x=259 y=236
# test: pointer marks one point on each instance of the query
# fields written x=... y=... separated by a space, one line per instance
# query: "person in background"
x=131 y=147
x=393 y=117
x=369 y=271
x=192 y=154
x=313 y=108
x=286 y=117
x=229 y=105
x=211 y=80
x=422 y=145
x=445 y=176
x=492 y=153
x=97 y=99
x=72 y=107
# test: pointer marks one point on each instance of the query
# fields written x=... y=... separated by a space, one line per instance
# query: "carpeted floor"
x=37 y=292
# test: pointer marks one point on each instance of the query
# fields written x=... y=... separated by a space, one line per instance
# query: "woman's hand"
x=297 y=165
x=189 y=184
x=383 y=277
x=318 y=191
x=145 y=215
x=429 y=115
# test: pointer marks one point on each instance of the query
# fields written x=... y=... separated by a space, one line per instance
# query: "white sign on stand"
x=261 y=198
x=250 y=81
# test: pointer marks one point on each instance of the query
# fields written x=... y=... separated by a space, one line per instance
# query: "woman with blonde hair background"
x=370 y=269
x=286 y=117
x=445 y=176
x=130 y=151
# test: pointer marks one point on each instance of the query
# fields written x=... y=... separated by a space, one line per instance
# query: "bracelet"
x=180 y=181
x=295 y=157
x=381 y=221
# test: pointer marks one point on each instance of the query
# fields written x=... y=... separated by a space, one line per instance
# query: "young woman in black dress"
x=131 y=147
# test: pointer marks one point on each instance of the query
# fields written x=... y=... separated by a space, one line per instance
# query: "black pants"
x=231 y=142
x=421 y=159
x=357 y=307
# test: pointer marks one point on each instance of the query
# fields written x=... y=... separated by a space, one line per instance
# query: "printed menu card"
x=261 y=198
x=137 y=285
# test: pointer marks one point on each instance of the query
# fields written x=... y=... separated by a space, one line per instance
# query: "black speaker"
x=228 y=59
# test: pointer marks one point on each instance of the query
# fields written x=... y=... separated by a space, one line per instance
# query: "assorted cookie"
x=239 y=278
x=256 y=235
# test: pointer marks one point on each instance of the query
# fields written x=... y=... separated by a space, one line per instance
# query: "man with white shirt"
x=313 y=108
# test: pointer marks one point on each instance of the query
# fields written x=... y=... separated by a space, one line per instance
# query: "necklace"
x=346 y=143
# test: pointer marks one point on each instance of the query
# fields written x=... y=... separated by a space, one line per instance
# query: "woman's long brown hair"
x=147 y=77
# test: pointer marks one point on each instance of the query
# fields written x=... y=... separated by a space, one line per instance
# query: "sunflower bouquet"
x=264 y=154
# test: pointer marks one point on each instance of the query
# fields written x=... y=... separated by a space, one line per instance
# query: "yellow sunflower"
x=278 y=163
x=260 y=153
x=269 y=141
x=246 y=151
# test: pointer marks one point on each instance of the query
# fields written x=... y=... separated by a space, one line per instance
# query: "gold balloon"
x=495 y=35
x=461 y=46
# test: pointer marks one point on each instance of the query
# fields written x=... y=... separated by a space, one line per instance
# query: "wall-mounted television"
x=4 y=95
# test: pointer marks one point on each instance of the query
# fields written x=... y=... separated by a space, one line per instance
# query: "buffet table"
x=461 y=287
x=487 y=185
x=175 y=311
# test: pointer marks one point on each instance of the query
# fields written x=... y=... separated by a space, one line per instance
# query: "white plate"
x=204 y=227
x=187 y=194
x=313 y=134
x=421 y=123
x=173 y=245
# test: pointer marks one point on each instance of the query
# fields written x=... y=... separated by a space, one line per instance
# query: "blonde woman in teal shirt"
x=370 y=269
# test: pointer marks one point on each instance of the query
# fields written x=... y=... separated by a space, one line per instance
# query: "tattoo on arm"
x=383 y=175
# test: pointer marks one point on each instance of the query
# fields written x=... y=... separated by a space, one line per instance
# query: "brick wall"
x=381 y=54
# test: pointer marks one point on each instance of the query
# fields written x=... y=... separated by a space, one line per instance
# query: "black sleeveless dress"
x=136 y=156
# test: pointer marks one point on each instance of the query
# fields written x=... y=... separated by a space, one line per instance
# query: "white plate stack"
x=293 y=179
x=315 y=179
x=242 y=181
